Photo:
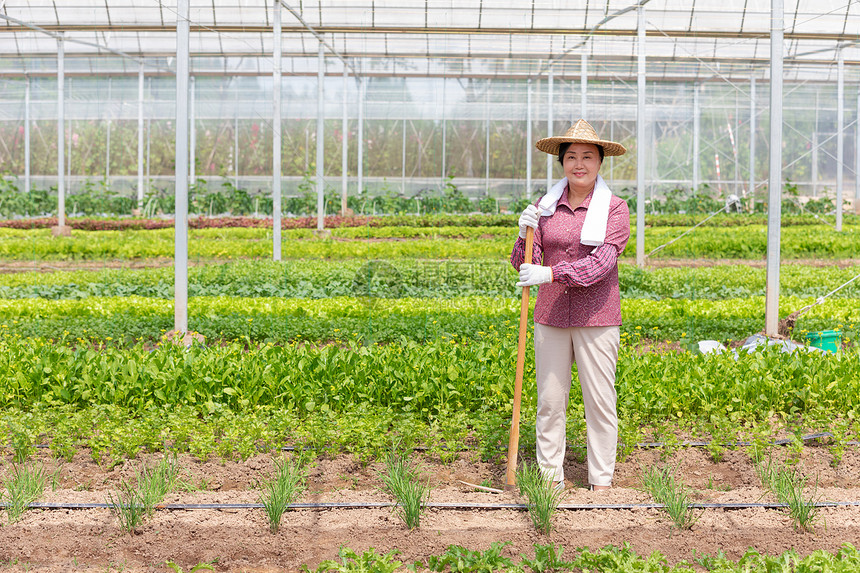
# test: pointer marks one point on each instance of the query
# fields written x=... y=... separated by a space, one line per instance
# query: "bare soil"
x=239 y=540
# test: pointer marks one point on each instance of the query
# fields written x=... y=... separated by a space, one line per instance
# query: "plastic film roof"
x=698 y=39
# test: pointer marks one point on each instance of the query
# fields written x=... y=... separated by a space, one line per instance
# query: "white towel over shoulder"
x=594 y=227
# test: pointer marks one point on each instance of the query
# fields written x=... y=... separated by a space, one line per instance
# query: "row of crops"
x=404 y=336
x=395 y=332
x=277 y=320
x=461 y=243
x=358 y=397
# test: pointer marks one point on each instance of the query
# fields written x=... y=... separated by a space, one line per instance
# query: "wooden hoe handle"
x=514 y=441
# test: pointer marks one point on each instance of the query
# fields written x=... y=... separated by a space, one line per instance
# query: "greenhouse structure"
x=318 y=202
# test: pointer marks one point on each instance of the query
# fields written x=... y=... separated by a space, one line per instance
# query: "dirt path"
x=239 y=540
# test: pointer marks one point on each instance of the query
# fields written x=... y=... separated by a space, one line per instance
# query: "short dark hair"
x=563 y=147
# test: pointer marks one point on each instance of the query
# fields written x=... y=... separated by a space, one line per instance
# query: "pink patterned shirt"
x=584 y=289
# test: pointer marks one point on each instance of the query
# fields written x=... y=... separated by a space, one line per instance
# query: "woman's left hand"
x=531 y=275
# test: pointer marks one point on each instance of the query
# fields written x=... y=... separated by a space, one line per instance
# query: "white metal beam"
x=697 y=114
x=320 y=135
x=444 y=133
x=192 y=133
x=276 y=132
x=27 y=136
x=487 y=138
x=61 y=132
x=640 y=143
x=549 y=133
x=344 y=146
x=180 y=311
x=840 y=128
x=529 y=149
x=108 y=130
x=815 y=146
x=360 y=142
x=140 y=81
x=775 y=167
x=236 y=137
x=752 y=144
x=583 y=84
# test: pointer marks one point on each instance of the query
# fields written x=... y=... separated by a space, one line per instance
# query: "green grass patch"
x=284 y=488
x=402 y=480
x=669 y=490
x=543 y=498
x=791 y=488
x=24 y=484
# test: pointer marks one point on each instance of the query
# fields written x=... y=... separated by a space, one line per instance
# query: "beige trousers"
x=595 y=351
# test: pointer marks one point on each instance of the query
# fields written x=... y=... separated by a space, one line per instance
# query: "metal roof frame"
x=524 y=35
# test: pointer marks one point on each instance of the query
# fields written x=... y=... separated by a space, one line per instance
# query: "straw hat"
x=580 y=132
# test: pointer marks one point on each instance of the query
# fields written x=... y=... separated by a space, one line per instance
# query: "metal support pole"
x=192 y=133
x=107 y=136
x=61 y=132
x=149 y=142
x=815 y=149
x=775 y=168
x=27 y=136
x=360 y=166
x=180 y=311
x=611 y=134
x=697 y=116
x=752 y=145
x=403 y=160
x=444 y=134
x=320 y=134
x=236 y=139
x=840 y=128
x=736 y=138
x=140 y=135
x=276 y=131
x=344 y=147
x=652 y=166
x=640 y=143
x=529 y=150
x=487 y=139
x=549 y=130
x=583 y=83
x=70 y=131
x=148 y=151
x=857 y=158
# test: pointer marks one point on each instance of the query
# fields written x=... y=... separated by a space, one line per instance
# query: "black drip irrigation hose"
x=430 y=505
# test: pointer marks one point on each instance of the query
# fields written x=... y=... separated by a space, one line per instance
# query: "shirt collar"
x=564 y=199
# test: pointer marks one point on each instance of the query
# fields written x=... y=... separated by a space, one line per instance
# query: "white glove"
x=531 y=275
x=529 y=218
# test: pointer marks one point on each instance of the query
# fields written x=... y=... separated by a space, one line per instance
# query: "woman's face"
x=581 y=163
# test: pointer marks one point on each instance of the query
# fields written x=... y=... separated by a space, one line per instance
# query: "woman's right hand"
x=529 y=218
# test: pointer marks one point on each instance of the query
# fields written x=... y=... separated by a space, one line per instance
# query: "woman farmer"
x=580 y=229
